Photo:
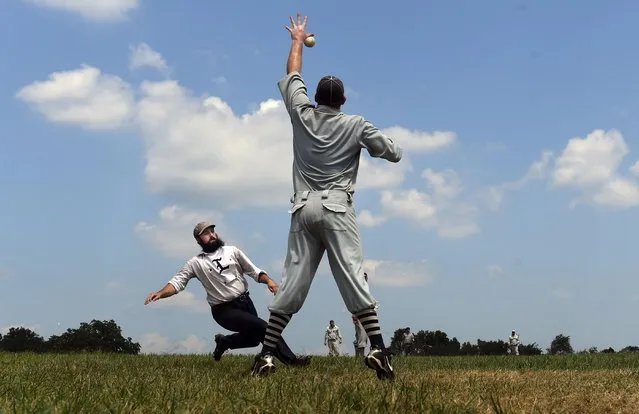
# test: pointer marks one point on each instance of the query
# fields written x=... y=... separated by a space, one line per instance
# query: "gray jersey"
x=327 y=143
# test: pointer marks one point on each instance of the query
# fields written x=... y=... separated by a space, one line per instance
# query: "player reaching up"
x=326 y=147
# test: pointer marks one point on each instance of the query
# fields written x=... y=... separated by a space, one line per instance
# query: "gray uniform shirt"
x=327 y=142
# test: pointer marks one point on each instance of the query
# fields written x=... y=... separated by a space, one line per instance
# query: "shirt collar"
x=327 y=109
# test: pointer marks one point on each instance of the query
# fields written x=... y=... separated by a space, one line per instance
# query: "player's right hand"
x=152 y=298
x=298 y=29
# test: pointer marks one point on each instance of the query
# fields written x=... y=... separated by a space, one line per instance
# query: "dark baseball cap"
x=200 y=227
x=330 y=91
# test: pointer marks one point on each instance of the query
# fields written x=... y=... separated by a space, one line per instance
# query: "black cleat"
x=220 y=346
x=380 y=361
x=263 y=365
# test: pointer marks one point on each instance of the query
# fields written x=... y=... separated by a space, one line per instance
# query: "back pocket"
x=296 y=224
x=336 y=218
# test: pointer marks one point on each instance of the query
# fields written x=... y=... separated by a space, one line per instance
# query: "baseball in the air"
x=309 y=41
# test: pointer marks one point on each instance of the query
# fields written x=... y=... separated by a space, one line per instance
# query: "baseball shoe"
x=380 y=361
x=221 y=346
x=301 y=361
x=263 y=365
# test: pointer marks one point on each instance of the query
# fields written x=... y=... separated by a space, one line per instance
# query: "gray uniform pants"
x=323 y=221
x=333 y=347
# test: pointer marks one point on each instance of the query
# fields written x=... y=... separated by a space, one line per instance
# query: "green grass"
x=149 y=384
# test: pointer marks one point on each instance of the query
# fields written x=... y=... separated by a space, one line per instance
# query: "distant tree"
x=468 y=349
x=498 y=347
x=21 y=340
x=631 y=348
x=397 y=341
x=435 y=343
x=560 y=345
x=95 y=336
x=608 y=350
x=530 y=349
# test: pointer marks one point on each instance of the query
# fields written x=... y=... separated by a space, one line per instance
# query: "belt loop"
x=325 y=194
x=305 y=195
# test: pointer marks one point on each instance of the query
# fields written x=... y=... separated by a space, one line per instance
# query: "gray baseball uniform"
x=326 y=146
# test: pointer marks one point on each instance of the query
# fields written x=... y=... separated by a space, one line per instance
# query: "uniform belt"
x=244 y=297
x=303 y=195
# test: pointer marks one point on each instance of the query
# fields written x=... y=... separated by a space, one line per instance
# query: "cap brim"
x=212 y=226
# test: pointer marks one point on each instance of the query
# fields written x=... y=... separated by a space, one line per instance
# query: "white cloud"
x=184 y=300
x=97 y=10
x=155 y=343
x=397 y=274
x=440 y=209
x=198 y=151
x=591 y=165
x=367 y=219
x=114 y=285
x=259 y=237
x=172 y=234
x=420 y=141
x=561 y=293
x=83 y=97
x=635 y=168
x=494 y=196
x=495 y=271
x=34 y=328
x=220 y=81
x=202 y=150
x=193 y=345
x=142 y=55
x=378 y=174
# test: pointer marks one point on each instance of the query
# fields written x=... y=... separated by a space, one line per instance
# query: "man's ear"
x=344 y=101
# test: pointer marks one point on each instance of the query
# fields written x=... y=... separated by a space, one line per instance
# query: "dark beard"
x=212 y=246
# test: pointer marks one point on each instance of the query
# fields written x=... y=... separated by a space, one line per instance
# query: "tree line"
x=106 y=336
x=94 y=336
x=437 y=343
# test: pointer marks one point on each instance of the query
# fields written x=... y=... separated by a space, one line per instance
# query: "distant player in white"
x=407 y=343
x=332 y=338
x=221 y=271
x=327 y=144
x=513 y=343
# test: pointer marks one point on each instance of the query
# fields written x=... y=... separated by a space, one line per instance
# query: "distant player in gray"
x=332 y=338
x=326 y=147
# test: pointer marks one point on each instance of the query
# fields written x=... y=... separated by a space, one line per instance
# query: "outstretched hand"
x=298 y=29
x=152 y=298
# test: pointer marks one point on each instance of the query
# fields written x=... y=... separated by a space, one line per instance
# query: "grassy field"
x=603 y=383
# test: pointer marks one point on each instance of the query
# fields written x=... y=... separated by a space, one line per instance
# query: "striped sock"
x=276 y=324
x=369 y=320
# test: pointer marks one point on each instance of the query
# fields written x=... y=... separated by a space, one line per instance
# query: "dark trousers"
x=240 y=316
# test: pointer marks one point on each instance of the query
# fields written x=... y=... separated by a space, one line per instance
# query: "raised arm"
x=298 y=36
x=292 y=86
x=378 y=144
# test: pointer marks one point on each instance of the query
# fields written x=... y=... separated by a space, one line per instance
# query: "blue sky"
x=126 y=122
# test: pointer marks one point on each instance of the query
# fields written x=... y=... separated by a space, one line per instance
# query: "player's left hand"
x=273 y=287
